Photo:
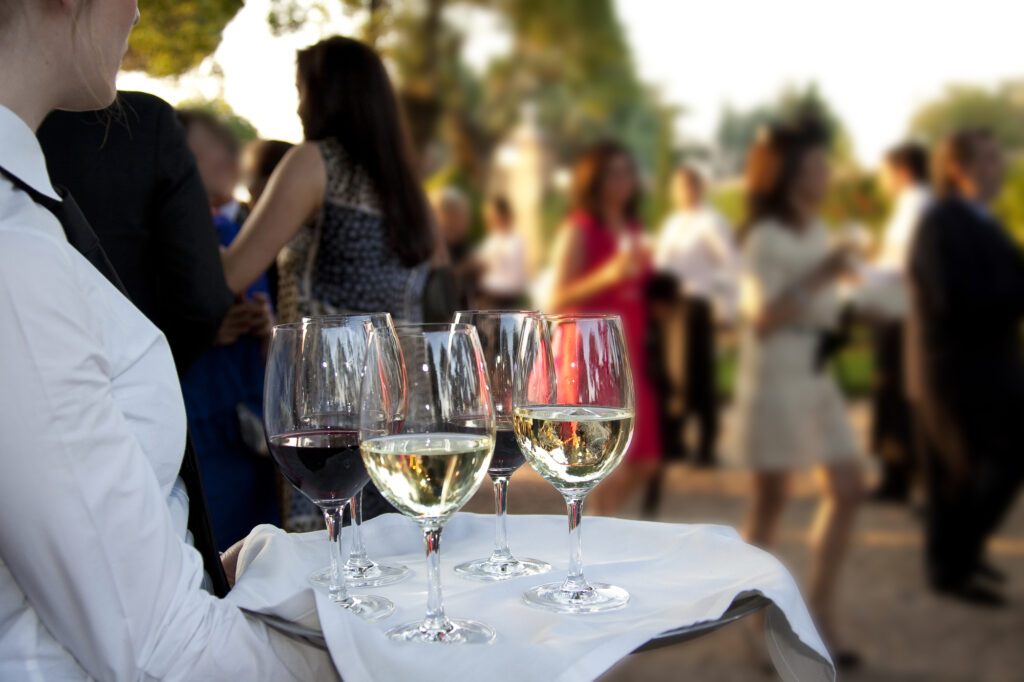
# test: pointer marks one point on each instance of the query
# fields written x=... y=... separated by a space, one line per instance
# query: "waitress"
x=97 y=578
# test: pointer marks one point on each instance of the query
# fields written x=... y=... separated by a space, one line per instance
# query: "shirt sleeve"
x=86 y=533
x=194 y=296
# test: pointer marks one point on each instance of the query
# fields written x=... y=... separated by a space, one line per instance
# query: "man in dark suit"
x=965 y=369
x=135 y=180
x=131 y=172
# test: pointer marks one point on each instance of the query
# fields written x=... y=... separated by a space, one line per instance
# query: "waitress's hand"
x=229 y=560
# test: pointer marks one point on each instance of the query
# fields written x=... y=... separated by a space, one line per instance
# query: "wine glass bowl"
x=314 y=439
x=427 y=431
x=573 y=419
x=499 y=332
x=346 y=365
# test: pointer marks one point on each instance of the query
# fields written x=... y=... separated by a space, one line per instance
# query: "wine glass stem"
x=501 y=551
x=332 y=517
x=435 y=620
x=357 y=554
x=575 y=582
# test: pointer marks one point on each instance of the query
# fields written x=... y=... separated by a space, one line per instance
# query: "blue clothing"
x=239 y=484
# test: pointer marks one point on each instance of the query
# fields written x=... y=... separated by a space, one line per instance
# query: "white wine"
x=428 y=475
x=573 y=446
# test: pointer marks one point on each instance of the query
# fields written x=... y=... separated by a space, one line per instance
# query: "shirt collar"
x=21 y=154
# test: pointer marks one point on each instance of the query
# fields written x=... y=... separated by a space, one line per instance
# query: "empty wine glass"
x=499 y=332
x=428 y=450
x=573 y=418
x=313 y=435
x=359 y=570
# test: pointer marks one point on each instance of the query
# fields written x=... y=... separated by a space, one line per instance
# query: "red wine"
x=507 y=456
x=325 y=465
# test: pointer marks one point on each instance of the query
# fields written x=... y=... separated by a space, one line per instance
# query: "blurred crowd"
x=341 y=223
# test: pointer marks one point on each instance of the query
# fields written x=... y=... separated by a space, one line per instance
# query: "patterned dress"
x=344 y=263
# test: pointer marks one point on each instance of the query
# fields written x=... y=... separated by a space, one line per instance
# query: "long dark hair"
x=773 y=166
x=349 y=98
x=588 y=176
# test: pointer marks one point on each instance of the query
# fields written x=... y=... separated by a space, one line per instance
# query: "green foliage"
x=173 y=36
x=856 y=197
x=1001 y=110
x=1010 y=203
x=240 y=127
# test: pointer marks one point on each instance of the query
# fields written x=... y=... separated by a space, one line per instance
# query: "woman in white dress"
x=98 y=579
x=791 y=414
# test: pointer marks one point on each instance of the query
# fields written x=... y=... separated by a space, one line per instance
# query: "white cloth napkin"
x=676 y=574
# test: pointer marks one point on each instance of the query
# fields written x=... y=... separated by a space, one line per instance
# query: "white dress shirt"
x=883 y=289
x=503 y=256
x=900 y=230
x=698 y=247
x=97 y=580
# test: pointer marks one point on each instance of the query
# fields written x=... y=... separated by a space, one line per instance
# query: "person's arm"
x=765 y=299
x=86 y=531
x=293 y=196
x=568 y=286
x=193 y=296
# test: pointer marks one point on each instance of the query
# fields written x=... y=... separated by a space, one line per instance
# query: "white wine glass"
x=359 y=569
x=573 y=417
x=314 y=439
x=427 y=431
x=499 y=332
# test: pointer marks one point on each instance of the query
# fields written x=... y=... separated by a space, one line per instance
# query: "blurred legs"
x=830 y=537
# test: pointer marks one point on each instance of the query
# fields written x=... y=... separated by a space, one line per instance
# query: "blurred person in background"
x=697 y=246
x=599 y=265
x=965 y=371
x=258 y=163
x=343 y=213
x=135 y=179
x=790 y=413
x=454 y=215
x=223 y=390
x=501 y=259
x=904 y=178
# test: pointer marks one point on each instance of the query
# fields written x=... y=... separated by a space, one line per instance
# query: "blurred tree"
x=1010 y=203
x=737 y=129
x=175 y=35
x=240 y=127
x=1001 y=110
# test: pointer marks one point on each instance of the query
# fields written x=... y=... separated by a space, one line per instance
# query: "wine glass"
x=573 y=418
x=312 y=433
x=429 y=459
x=499 y=332
x=359 y=570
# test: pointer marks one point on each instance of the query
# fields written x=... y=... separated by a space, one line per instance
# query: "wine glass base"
x=369 y=608
x=460 y=632
x=374 y=575
x=491 y=571
x=599 y=598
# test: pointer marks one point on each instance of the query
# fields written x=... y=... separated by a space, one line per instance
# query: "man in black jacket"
x=964 y=363
x=131 y=172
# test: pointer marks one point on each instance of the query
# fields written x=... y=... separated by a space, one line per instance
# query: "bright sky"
x=875 y=60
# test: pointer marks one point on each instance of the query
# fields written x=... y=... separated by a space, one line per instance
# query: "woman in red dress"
x=601 y=266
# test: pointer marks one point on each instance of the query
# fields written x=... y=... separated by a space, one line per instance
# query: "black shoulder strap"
x=81 y=236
